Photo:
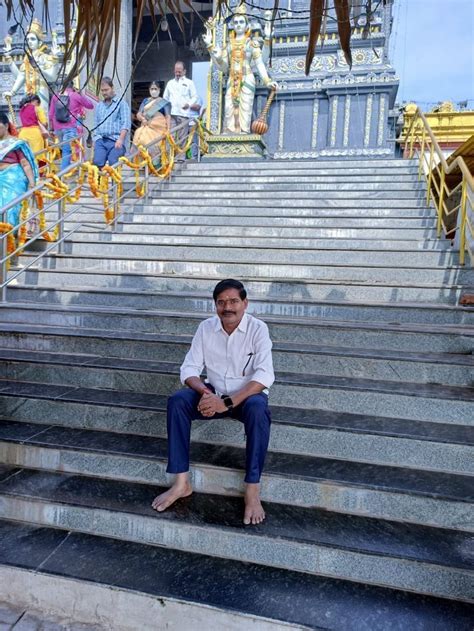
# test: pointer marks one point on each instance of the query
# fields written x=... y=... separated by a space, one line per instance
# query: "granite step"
x=335 y=194
x=151 y=321
x=404 y=494
x=280 y=247
x=216 y=592
x=283 y=282
x=310 y=170
x=149 y=298
x=328 y=253
x=176 y=329
x=253 y=235
x=96 y=380
x=410 y=228
x=359 y=395
x=358 y=188
x=387 y=365
x=299 y=176
x=424 y=560
x=285 y=165
x=293 y=282
x=278 y=209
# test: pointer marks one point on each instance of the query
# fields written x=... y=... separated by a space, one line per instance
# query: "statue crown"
x=37 y=29
x=241 y=9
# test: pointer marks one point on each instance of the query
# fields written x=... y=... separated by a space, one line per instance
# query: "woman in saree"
x=155 y=116
x=33 y=122
x=18 y=169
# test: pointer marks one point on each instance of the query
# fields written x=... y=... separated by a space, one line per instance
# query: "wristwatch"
x=228 y=402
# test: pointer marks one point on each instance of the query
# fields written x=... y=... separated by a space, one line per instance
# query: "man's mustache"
x=229 y=312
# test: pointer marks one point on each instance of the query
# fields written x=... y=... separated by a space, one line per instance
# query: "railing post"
x=60 y=217
x=430 y=169
x=462 y=225
x=422 y=154
x=440 y=203
x=115 y=204
x=3 y=266
x=147 y=180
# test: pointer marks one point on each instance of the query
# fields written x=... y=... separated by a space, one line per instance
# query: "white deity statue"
x=241 y=57
x=38 y=68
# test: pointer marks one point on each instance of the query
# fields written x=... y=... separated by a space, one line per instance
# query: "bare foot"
x=177 y=491
x=254 y=513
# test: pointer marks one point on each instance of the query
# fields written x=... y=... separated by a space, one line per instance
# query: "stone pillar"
x=333 y=107
x=123 y=69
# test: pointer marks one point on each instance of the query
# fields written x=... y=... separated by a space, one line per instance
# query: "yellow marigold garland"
x=11 y=247
x=47 y=236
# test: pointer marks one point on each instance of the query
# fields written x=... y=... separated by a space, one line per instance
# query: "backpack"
x=61 y=109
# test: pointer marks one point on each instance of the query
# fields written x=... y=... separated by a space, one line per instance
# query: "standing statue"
x=38 y=68
x=239 y=60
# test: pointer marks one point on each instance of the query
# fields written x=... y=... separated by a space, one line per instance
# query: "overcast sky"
x=432 y=49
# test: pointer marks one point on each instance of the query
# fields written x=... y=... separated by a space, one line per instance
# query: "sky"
x=432 y=50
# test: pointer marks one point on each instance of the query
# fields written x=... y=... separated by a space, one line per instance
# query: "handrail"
x=60 y=202
x=438 y=165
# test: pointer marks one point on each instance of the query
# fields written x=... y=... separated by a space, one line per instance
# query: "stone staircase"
x=368 y=482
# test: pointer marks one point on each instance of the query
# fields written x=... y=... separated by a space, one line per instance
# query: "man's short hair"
x=181 y=63
x=229 y=283
x=108 y=81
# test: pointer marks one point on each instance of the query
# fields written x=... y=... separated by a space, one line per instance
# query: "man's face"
x=240 y=24
x=107 y=91
x=230 y=307
x=179 y=71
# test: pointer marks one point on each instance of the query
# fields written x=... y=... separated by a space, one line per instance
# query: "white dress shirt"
x=179 y=92
x=231 y=361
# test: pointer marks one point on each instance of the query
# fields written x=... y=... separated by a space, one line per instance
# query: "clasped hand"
x=210 y=404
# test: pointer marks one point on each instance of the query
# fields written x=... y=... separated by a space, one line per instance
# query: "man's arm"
x=193 y=364
x=125 y=115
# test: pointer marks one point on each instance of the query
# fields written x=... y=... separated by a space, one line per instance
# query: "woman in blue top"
x=154 y=115
x=18 y=169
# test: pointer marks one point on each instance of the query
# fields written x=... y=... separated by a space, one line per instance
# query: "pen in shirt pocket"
x=250 y=355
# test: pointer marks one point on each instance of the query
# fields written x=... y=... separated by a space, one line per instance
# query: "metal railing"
x=454 y=205
x=62 y=215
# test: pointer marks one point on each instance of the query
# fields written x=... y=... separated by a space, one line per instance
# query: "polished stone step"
x=425 y=560
x=168 y=299
x=288 y=165
x=293 y=282
x=414 y=496
x=264 y=195
x=253 y=235
x=279 y=247
x=299 y=187
x=386 y=365
x=229 y=594
x=352 y=337
x=102 y=255
x=135 y=382
x=395 y=399
x=151 y=321
x=410 y=228
x=299 y=176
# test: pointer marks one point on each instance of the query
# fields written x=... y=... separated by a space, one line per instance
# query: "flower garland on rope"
x=116 y=176
x=186 y=145
x=47 y=236
x=23 y=229
x=11 y=247
x=136 y=165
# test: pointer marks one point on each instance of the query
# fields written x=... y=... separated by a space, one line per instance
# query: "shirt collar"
x=242 y=324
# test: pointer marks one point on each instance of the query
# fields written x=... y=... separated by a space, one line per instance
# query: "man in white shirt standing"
x=236 y=350
x=181 y=93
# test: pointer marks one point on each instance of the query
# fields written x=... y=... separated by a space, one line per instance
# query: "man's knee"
x=255 y=408
x=182 y=400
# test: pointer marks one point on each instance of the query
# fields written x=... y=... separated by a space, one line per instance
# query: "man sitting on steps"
x=235 y=348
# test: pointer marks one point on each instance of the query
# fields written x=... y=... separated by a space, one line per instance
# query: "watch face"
x=228 y=401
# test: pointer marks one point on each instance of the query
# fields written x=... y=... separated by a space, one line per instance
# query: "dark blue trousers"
x=254 y=413
x=105 y=151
